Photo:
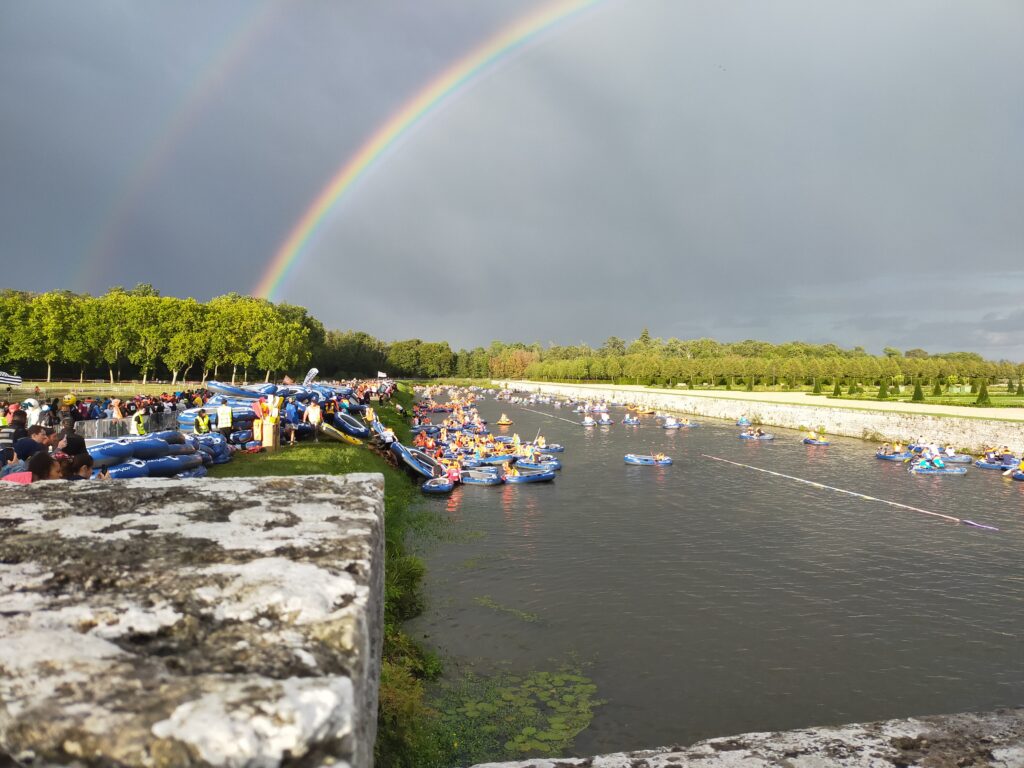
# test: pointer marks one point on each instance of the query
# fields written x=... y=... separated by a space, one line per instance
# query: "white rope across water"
x=950 y=518
x=549 y=415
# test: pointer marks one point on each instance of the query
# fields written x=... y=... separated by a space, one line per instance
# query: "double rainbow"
x=427 y=100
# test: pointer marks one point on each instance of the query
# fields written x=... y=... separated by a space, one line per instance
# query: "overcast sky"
x=848 y=171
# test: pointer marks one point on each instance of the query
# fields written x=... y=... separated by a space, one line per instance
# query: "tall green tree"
x=51 y=317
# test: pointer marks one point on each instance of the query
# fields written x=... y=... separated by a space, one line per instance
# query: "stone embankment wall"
x=991 y=739
x=967 y=434
x=179 y=622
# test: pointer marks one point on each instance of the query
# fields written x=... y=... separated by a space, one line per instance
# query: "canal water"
x=708 y=599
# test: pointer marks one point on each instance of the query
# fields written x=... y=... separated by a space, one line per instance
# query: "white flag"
x=9 y=378
x=310 y=375
x=381 y=375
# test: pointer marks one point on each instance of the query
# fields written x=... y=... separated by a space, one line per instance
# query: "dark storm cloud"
x=845 y=172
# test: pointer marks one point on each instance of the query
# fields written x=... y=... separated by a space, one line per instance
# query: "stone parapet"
x=229 y=622
x=990 y=739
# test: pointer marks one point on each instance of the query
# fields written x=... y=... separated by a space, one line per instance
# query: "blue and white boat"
x=632 y=458
x=438 y=485
x=530 y=477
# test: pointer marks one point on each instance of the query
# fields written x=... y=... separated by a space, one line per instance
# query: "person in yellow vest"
x=224 y=420
x=201 y=426
x=138 y=426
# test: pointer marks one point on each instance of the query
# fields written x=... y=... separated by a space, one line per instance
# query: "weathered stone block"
x=990 y=739
x=165 y=622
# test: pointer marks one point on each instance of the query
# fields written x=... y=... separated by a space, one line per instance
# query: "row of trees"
x=649 y=360
x=144 y=332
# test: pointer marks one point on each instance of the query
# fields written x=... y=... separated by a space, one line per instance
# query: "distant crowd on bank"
x=38 y=440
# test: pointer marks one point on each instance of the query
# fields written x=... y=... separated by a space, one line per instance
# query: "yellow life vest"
x=201 y=425
x=223 y=416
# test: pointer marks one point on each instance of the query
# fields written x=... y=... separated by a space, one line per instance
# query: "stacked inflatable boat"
x=344 y=426
x=160 y=454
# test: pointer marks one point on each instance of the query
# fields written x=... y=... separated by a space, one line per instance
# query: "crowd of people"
x=463 y=434
x=38 y=438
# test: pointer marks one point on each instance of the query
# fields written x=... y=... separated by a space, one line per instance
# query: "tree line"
x=749 y=363
x=140 y=334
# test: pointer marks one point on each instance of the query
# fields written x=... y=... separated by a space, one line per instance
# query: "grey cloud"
x=843 y=172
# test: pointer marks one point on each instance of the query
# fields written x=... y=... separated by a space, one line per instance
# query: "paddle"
x=1011 y=470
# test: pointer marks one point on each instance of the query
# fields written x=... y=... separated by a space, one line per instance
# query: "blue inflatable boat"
x=481 y=477
x=126 y=470
x=809 y=441
x=938 y=470
x=551 y=464
x=630 y=421
x=411 y=462
x=168 y=466
x=350 y=425
x=983 y=464
x=531 y=477
x=894 y=456
x=553 y=448
x=147 y=447
x=632 y=458
x=766 y=436
x=438 y=485
x=106 y=453
x=197 y=472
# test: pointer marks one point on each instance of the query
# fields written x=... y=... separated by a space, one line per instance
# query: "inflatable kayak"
x=959 y=458
x=438 y=485
x=632 y=458
x=480 y=477
x=1018 y=475
x=197 y=472
x=553 y=448
x=438 y=469
x=337 y=434
x=983 y=464
x=168 y=466
x=411 y=461
x=938 y=470
x=221 y=388
x=894 y=456
x=106 y=453
x=551 y=464
x=530 y=477
x=171 y=436
x=604 y=422
x=631 y=421
x=127 y=470
x=765 y=436
x=351 y=425
x=146 y=447
x=809 y=441
x=504 y=422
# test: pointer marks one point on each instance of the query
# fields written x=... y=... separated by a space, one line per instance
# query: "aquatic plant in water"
x=488 y=602
x=509 y=716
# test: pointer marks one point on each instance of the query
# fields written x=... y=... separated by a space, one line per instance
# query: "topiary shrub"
x=883 y=389
x=918 y=396
x=837 y=391
x=936 y=389
x=817 y=387
x=983 y=398
x=1020 y=387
